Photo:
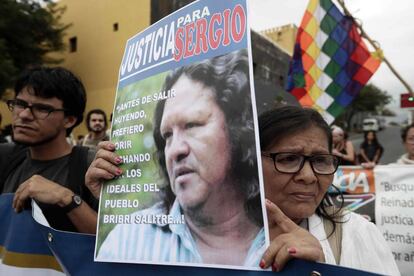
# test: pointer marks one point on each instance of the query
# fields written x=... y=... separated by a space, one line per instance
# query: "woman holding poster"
x=298 y=168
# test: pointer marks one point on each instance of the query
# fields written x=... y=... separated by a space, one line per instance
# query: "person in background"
x=7 y=131
x=97 y=124
x=370 y=150
x=342 y=148
x=298 y=169
x=407 y=135
x=2 y=136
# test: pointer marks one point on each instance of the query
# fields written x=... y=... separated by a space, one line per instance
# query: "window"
x=73 y=44
x=115 y=27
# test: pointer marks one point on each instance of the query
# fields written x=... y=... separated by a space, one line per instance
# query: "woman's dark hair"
x=56 y=82
x=287 y=120
x=374 y=141
x=404 y=132
x=228 y=77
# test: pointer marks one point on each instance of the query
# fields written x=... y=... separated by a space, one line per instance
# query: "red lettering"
x=238 y=13
x=214 y=37
x=179 y=44
x=201 y=36
x=189 y=47
x=226 y=37
x=197 y=37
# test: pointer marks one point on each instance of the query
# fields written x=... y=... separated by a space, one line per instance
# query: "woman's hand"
x=292 y=242
x=336 y=152
x=368 y=165
x=104 y=167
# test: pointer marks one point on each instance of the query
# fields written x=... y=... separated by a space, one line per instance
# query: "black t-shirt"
x=370 y=150
x=56 y=170
x=3 y=139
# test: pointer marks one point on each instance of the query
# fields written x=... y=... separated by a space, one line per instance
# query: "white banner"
x=394 y=212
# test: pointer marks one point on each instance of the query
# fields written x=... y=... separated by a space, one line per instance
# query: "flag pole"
x=377 y=48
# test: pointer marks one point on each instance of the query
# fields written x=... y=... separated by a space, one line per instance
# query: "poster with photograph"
x=384 y=196
x=184 y=125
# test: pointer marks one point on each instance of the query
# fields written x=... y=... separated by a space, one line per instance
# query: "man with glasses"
x=49 y=103
x=407 y=135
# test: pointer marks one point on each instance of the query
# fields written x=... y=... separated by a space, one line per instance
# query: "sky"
x=387 y=21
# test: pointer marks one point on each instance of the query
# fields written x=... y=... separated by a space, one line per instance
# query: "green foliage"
x=29 y=30
x=388 y=112
x=371 y=99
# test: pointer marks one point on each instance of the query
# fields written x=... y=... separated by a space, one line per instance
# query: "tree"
x=29 y=30
x=371 y=99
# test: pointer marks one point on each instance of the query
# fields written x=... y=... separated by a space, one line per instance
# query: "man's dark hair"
x=56 y=82
x=404 y=132
x=287 y=120
x=95 y=111
x=228 y=77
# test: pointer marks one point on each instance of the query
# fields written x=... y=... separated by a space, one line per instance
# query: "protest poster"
x=184 y=126
x=385 y=196
x=357 y=187
x=44 y=251
x=394 y=211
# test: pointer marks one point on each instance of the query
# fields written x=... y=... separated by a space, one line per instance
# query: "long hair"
x=228 y=77
x=374 y=141
x=95 y=111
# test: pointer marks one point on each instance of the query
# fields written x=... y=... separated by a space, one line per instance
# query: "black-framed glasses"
x=39 y=111
x=289 y=162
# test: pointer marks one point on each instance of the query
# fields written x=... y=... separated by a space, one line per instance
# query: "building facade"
x=100 y=29
x=95 y=44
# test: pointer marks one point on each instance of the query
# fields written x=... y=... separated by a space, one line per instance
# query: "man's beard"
x=98 y=130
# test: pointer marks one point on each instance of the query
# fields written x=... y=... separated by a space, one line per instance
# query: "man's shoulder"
x=11 y=157
x=10 y=151
x=9 y=147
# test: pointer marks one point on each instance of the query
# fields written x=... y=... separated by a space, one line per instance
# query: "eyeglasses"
x=39 y=111
x=288 y=162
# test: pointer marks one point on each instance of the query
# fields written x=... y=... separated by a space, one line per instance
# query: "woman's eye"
x=288 y=158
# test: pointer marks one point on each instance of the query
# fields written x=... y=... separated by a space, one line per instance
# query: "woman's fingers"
x=276 y=254
x=291 y=242
x=106 y=145
x=309 y=253
x=276 y=216
x=104 y=167
x=108 y=156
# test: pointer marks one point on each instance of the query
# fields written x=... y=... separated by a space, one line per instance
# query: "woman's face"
x=337 y=136
x=370 y=136
x=297 y=195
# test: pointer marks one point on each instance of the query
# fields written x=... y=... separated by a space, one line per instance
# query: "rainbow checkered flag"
x=330 y=63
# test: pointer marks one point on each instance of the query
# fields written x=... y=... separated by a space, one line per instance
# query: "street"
x=389 y=138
